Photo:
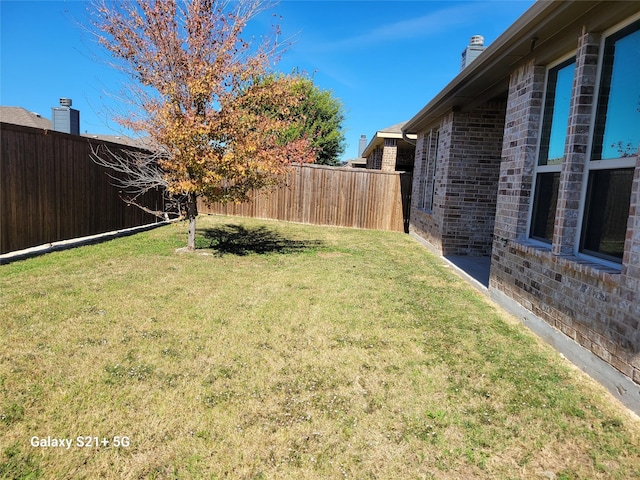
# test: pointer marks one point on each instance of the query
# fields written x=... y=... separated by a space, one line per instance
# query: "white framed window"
x=430 y=164
x=615 y=142
x=424 y=168
x=551 y=146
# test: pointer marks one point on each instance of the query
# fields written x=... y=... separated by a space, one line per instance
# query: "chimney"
x=66 y=119
x=471 y=52
x=362 y=145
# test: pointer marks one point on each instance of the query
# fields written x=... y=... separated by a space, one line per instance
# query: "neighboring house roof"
x=22 y=116
x=144 y=143
x=357 y=162
x=394 y=131
x=544 y=32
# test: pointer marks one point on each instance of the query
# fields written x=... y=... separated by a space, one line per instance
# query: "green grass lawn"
x=285 y=351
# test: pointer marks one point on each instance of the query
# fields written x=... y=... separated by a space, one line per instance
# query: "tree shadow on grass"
x=240 y=240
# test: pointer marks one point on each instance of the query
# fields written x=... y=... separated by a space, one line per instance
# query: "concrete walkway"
x=476 y=268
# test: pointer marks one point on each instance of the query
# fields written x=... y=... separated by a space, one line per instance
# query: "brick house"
x=389 y=151
x=529 y=157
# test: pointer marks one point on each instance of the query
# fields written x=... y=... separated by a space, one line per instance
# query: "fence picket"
x=321 y=195
x=52 y=191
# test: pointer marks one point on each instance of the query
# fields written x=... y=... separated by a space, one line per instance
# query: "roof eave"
x=502 y=49
x=378 y=140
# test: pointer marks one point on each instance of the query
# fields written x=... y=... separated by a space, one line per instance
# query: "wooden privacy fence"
x=50 y=190
x=320 y=195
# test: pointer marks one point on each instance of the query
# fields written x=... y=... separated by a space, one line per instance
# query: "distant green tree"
x=318 y=117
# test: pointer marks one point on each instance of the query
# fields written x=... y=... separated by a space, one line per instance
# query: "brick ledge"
x=579 y=264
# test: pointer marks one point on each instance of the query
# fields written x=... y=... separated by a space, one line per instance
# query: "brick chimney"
x=471 y=52
x=362 y=145
x=66 y=119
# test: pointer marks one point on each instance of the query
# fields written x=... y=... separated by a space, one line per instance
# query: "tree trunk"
x=192 y=213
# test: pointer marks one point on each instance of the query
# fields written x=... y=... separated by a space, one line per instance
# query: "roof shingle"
x=22 y=116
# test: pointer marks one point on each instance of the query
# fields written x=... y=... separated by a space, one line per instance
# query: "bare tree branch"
x=164 y=214
x=134 y=171
x=137 y=172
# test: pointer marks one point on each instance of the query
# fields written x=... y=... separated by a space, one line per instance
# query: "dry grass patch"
x=286 y=351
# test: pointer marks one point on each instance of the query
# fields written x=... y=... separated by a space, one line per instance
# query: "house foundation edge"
x=619 y=386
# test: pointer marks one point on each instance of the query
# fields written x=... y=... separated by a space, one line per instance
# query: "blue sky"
x=383 y=59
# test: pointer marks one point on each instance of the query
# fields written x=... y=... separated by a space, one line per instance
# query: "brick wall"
x=426 y=219
x=389 y=155
x=524 y=109
x=596 y=305
x=575 y=156
x=374 y=160
x=420 y=173
x=472 y=179
x=484 y=171
x=461 y=219
x=423 y=172
x=393 y=155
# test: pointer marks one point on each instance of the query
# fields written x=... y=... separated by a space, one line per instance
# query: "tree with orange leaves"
x=196 y=87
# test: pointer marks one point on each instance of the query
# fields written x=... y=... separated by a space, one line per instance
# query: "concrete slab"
x=14 y=256
x=475 y=267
